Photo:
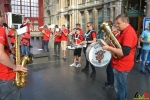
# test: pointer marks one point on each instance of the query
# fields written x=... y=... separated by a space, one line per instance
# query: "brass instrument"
x=111 y=39
x=20 y=78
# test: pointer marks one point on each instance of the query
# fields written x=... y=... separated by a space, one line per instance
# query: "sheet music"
x=57 y=29
x=22 y=30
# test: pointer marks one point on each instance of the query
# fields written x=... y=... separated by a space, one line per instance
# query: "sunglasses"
x=88 y=26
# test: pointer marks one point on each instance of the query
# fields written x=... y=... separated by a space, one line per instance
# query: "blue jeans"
x=45 y=45
x=144 y=59
x=120 y=84
x=8 y=91
x=87 y=62
x=110 y=74
x=25 y=50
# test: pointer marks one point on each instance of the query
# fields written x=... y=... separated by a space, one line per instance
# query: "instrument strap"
x=87 y=34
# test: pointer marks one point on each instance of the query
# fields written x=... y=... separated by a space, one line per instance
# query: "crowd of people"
x=117 y=69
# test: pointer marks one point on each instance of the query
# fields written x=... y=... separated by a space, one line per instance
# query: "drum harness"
x=86 y=36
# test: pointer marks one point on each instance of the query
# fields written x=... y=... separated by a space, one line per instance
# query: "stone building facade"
x=70 y=12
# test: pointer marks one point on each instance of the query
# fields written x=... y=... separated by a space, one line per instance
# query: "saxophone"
x=20 y=78
x=111 y=39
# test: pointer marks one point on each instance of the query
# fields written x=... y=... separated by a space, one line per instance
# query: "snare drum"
x=97 y=56
x=72 y=47
x=69 y=47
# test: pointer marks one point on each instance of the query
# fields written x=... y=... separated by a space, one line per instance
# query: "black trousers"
x=57 y=48
x=110 y=74
x=87 y=62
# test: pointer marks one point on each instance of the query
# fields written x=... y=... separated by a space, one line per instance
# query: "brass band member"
x=109 y=70
x=11 y=35
x=57 y=41
x=46 y=36
x=64 y=38
x=122 y=66
x=77 y=37
x=8 y=91
x=25 y=44
x=89 y=37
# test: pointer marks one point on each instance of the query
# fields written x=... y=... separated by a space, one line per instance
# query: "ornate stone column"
x=70 y=17
x=62 y=19
x=116 y=11
x=148 y=8
x=79 y=17
x=86 y=13
x=95 y=19
x=111 y=14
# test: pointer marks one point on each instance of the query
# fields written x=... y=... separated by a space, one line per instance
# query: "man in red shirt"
x=123 y=65
x=57 y=41
x=89 y=37
x=46 y=36
x=25 y=44
x=8 y=90
x=64 y=39
x=26 y=23
x=11 y=35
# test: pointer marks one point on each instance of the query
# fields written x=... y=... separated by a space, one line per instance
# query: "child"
x=77 y=52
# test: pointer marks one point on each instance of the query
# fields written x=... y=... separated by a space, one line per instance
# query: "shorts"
x=77 y=52
x=63 y=45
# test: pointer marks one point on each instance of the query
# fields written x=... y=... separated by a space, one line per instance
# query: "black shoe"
x=107 y=87
x=148 y=69
x=93 y=74
x=143 y=72
x=106 y=83
x=85 y=69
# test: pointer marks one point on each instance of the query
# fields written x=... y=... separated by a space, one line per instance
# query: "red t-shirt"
x=81 y=32
x=11 y=35
x=78 y=38
x=45 y=37
x=57 y=36
x=93 y=34
x=63 y=36
x=116 y=34
x=5 y=72
x=24 y=39
x=127 y=37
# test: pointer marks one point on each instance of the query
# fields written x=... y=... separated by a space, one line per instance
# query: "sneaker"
x=148 y=69
x=143 y=72
x=85 y=69
x=93 y=74
x=73 y=65
x=107 y=87
x=79 y=65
